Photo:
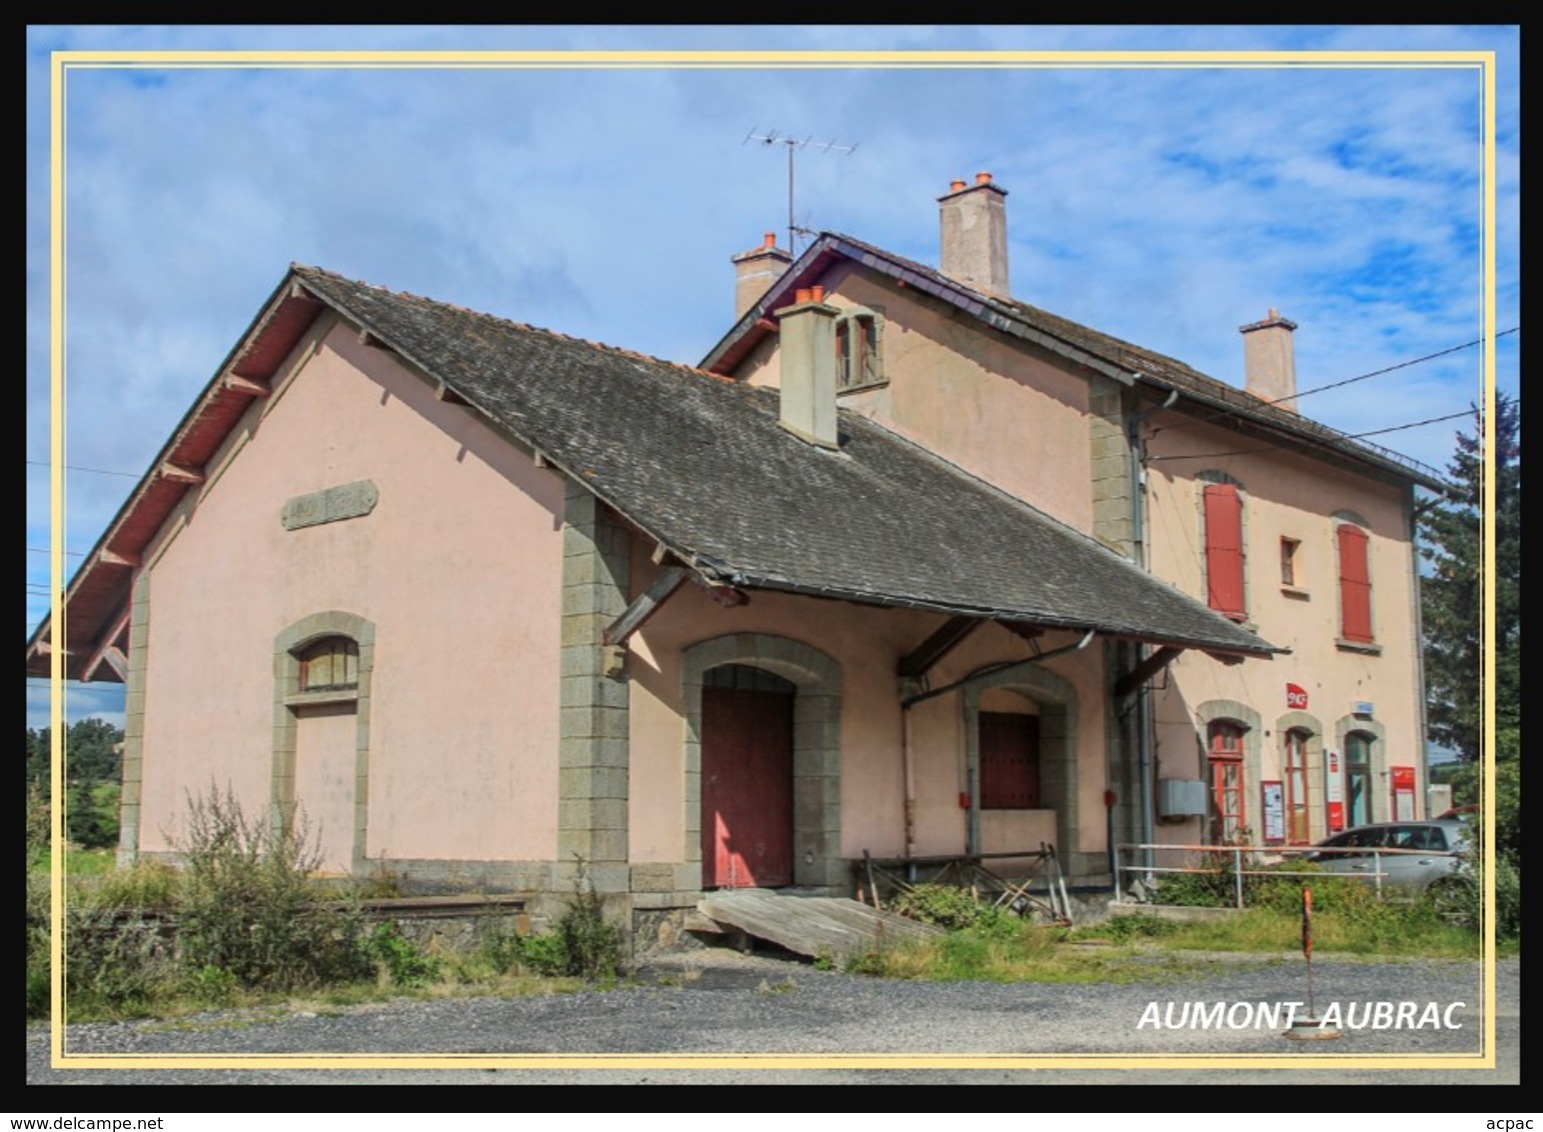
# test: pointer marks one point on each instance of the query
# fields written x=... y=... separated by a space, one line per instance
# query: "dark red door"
x=747 y=788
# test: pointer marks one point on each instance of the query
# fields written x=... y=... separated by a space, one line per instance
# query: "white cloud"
x=1166 y=207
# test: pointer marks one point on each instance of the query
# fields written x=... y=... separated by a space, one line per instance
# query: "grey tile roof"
x=700 y=463
x=1114 y=356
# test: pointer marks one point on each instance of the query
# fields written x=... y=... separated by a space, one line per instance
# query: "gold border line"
x=1483 y=61
x=1422 y=60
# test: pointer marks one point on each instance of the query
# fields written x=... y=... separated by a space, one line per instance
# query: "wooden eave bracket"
x=1227 y=658
x=443 y=392
x=180 y=473
x=238 y=384
x=106 y=651
x=721 y=592
x=110 y=655
x=110 y=557
x=1147 y=669
x=920 y=660
x=374 y=341
x=644 y=606
x=1023 y=629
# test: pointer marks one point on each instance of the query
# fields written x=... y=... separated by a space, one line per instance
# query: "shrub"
x=248 y=906
x=583 y=942
x=116 y=960
x=956 y=909
x=1508 y=899
x=400 y=959
x=38 y=916
x=592 y=946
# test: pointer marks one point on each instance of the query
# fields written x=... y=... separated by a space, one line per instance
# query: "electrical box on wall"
x=1180 y=798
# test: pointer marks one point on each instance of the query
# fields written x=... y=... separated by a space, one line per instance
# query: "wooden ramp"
x=816 y=926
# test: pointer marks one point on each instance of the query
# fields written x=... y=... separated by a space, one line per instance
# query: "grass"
x=1145 y=947
x=1024 y=953
x=80 y=862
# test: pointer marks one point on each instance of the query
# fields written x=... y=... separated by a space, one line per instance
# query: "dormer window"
x=857 y=350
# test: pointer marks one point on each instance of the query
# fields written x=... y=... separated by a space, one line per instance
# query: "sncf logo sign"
x=1296 y=697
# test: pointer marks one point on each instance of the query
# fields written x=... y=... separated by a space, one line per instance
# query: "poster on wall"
x=1403 y=793
x=1334 y=790
x=1274 y=798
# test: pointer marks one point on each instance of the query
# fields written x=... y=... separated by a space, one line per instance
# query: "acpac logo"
x=1296 y=697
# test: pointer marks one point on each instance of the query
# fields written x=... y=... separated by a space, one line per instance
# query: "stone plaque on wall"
x=346 y=501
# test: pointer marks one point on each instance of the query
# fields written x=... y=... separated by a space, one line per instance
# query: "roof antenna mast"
x=792 y=144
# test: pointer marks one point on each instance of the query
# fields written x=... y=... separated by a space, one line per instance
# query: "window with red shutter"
x=1224 y=549
x=1355 y=585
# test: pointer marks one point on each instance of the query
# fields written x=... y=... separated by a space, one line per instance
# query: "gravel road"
x=727 y=1003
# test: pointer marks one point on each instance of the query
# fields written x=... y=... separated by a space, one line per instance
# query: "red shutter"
x=1224 y=549
x=1355 y=585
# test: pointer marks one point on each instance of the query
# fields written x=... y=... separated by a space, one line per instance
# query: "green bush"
x=247 y=905
x=400 y=959
x=956 y=909
x=583 y=943
x=116 y=959
x=39 y=921
x=544 y=954
x=1508 y=899
x=593 y=947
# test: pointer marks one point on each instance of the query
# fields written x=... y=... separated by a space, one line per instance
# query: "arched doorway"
x=815 y=779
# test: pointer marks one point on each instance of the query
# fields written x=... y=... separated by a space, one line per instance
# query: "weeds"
x=248 y=906
x=39 y=986
x=956 y=909
x=401 y=961
x=592 y=947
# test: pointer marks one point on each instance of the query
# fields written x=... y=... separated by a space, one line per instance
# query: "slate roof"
x=700 y=463
x=1121 y=360
x=694 y=459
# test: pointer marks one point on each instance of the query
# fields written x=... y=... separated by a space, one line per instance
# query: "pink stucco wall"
x=984 y=403
x=1285 y=495
x=867 y=642
x=457 y=567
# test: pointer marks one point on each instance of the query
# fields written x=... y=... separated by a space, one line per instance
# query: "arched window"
x=1224 y=742
x=1221 y=523
x=1294 y=766
x=329 y=665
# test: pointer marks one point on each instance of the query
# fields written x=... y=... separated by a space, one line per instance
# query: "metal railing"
x=1233 y=858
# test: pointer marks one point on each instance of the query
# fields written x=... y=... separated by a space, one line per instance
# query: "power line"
x=1341 y=436
x=73 y=468
x=1235 y=411
x=45 y=550
x=1390 y=369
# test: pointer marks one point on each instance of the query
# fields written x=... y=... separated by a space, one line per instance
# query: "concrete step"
x=817 y=926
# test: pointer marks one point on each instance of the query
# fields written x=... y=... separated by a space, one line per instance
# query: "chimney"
x=1269 y=364
x=756 y=270
x=974 y=228
x=808 y=360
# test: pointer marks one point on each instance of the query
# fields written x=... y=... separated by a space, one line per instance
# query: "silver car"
x=1430 y=856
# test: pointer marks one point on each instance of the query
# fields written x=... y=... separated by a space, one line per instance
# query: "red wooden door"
x=747 y=788
x=1009 y=761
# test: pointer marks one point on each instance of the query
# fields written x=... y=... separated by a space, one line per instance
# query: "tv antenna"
x=793 y=145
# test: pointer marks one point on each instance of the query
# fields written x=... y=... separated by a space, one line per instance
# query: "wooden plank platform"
x=816 y=926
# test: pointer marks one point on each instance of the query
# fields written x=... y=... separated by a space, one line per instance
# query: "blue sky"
x=1165 y=206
